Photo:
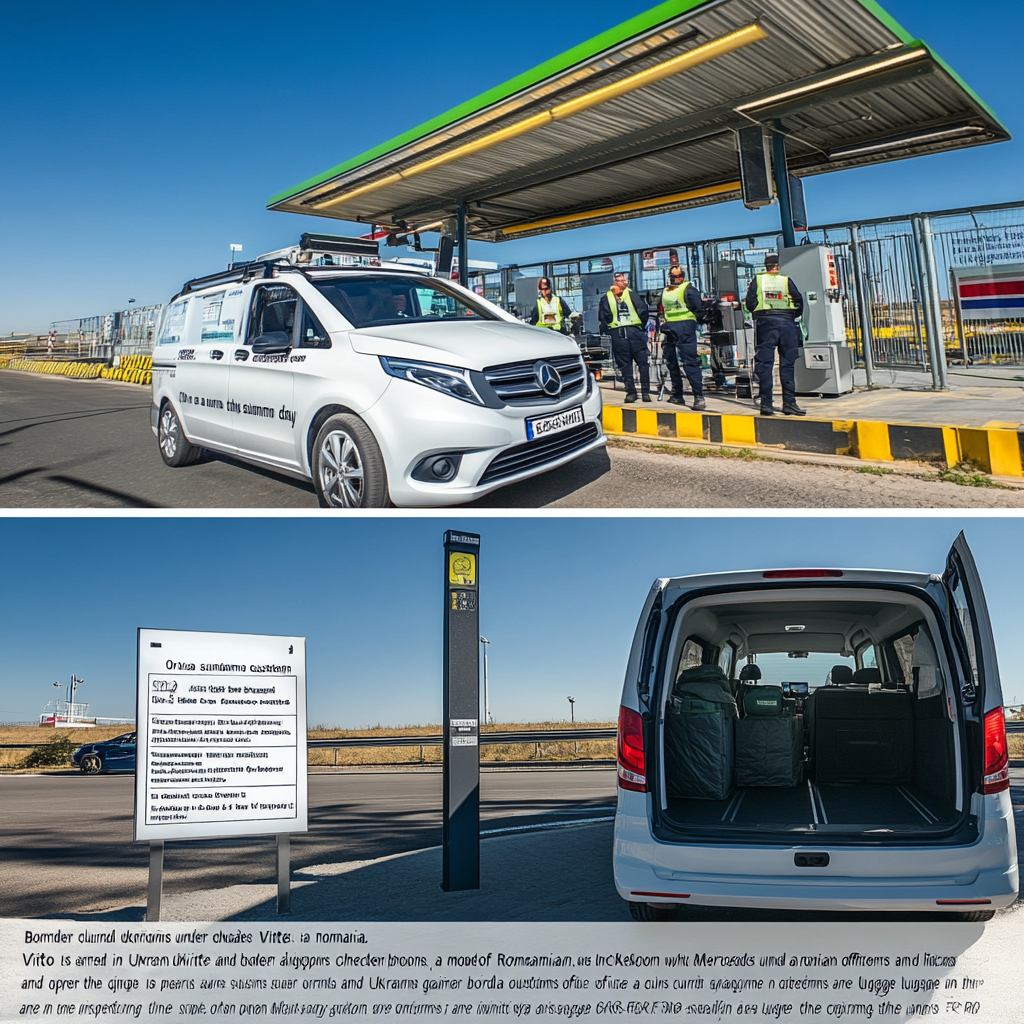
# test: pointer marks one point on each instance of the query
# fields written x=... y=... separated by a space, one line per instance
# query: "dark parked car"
x=117 y=754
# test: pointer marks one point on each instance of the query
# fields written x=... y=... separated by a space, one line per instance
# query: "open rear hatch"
x=802 y=714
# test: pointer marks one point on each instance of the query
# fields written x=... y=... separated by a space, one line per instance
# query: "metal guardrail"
x=433 y=739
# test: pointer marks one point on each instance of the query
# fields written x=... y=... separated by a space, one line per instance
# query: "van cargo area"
x=796 y=714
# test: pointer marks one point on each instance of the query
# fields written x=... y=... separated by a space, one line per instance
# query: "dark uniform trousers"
x=680 y=346
x=782 y=333
x=629 y=345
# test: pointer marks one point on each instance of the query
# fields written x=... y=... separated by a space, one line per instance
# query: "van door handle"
x=216 y=354
x=241 y=354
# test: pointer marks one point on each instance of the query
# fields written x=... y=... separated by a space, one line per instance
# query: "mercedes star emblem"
x=548 y=378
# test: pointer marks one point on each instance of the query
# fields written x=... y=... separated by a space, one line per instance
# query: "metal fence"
x=123 y=332
x=896 y=277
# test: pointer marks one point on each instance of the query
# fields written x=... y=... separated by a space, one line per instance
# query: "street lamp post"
x=487 y=696
x=59 y=686
x=572 y=721
x=75 y=683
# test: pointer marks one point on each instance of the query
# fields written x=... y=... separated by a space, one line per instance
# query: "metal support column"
x=507 y=287
x=780 y=171
x=924 y=291
x=156 y=880
x=461 y=242
x=863 y=305
x=936 y=299
x=636 y=271
x=460 y=826
x=284 y=873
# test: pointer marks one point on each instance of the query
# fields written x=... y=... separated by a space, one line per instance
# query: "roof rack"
x=312 y=248
x=237 y=272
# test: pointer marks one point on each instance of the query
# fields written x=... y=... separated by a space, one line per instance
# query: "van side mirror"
x=273 y=341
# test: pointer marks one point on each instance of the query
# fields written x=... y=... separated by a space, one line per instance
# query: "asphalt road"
x=66 y=844
x=88 y=444
x=66 y=849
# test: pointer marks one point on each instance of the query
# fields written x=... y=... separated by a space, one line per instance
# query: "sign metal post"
x=284 y=873
x=156 y=881
x=461 y=824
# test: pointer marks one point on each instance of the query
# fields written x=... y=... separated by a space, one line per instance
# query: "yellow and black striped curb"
x=994 y=450
x=131 y=369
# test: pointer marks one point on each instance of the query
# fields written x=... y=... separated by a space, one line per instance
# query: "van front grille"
x=516 y=383
x=537 y=453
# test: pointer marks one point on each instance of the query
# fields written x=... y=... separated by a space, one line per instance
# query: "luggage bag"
x=699 y=719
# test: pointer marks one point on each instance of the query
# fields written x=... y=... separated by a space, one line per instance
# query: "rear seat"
x=769 y=741
x=860 y=734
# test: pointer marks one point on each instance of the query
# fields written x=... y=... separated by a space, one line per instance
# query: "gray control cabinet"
x=824 y=365
x=824 y=370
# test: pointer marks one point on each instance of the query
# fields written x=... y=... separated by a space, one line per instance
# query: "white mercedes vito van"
x=381 y=384
x=815 y=739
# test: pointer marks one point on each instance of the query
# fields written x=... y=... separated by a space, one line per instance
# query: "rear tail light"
x=997 y=767
x=799 y=574
x=632 y=770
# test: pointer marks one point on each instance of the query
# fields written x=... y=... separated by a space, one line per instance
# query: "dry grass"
x=42 y=735
x=427 y=754
x=1015 y=745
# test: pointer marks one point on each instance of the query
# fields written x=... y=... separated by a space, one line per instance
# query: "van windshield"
x=381 y=300
x=813 y=668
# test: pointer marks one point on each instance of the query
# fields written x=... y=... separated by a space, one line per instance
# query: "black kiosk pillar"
x=461 y=827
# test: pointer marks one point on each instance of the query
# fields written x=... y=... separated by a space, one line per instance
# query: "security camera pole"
x=461 y=825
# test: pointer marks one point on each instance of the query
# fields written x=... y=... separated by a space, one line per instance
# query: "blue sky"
x=560 y=598
x=140 y=140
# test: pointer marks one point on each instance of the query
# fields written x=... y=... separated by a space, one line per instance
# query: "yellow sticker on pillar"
x=462 y=568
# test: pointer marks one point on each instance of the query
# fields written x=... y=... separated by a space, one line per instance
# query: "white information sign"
x=221 y=735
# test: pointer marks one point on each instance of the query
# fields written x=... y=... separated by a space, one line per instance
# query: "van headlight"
x=449 y=380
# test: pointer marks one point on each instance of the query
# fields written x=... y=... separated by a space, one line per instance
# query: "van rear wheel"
x=348 y=468
x=175 y=448
x=977 y=915
x=650 y=911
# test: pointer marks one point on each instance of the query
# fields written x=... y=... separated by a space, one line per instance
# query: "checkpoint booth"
x=688 y=104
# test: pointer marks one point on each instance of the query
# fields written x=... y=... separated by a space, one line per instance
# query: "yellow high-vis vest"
x=673 y=304
x=773 y=293
x=549 y=314
x=632 y=320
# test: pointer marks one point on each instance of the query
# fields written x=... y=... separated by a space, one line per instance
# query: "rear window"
x=380 y=300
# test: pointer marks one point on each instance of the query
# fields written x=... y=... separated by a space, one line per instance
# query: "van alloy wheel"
x=175 y=448
x=348 y=468
x=341 y=470
x=170 y=434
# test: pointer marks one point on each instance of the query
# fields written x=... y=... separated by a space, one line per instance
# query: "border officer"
x=551 y=310
x=680 y=304
x=776 y=304
x=622 y=315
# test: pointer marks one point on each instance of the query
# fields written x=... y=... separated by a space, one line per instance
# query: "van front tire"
x=175 y=448
x=348 y=468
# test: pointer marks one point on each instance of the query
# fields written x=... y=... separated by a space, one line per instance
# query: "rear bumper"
x=858 y=878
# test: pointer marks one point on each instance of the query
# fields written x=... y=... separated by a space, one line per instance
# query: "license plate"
x=541 y=426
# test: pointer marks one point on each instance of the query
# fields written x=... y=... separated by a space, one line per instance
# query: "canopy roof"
x=642 y=119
